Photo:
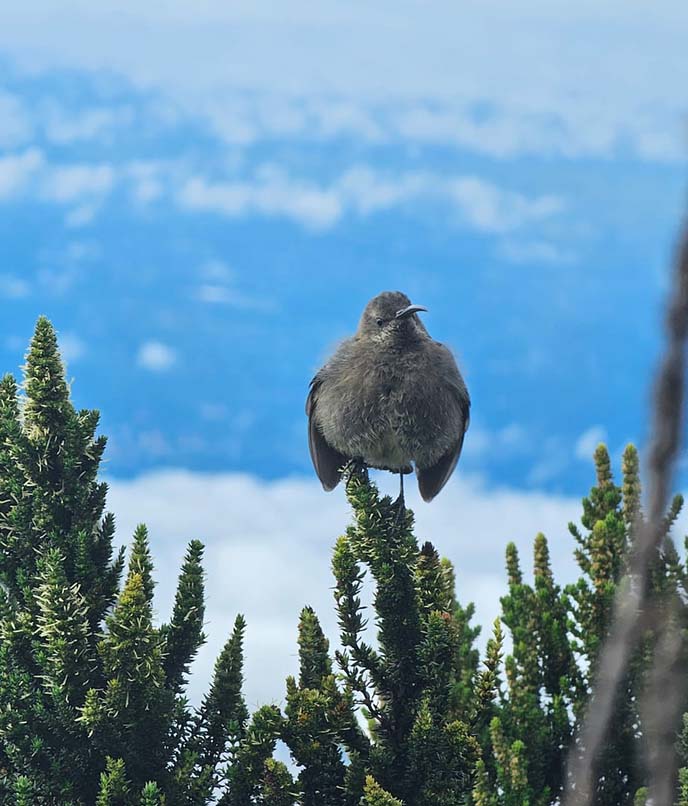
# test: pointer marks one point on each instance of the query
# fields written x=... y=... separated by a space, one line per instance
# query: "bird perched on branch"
x=391 y=398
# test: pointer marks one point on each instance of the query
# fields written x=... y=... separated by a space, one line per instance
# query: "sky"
x=203 y=198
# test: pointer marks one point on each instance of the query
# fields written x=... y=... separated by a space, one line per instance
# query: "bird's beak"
x=409 y=311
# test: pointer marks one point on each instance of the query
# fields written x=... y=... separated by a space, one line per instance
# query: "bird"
x=390 y=398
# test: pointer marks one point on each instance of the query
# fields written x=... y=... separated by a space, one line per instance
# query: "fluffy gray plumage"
x=391 y=397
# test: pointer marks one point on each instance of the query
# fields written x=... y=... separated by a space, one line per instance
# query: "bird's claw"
x=357 y=467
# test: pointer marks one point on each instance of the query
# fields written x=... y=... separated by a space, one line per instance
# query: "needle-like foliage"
x=403 y=711
x=92 y=705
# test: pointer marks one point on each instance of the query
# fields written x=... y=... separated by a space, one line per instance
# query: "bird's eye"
x=380 y=322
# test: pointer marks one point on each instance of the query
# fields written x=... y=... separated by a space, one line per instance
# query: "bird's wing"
x=432 y=479
x=327 y=461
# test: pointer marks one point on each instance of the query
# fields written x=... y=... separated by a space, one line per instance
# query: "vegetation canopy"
x=404 y=712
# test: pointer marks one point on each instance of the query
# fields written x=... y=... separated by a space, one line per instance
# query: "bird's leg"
x=400 y=503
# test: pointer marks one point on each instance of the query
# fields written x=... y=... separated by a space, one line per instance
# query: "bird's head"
x=390 y=317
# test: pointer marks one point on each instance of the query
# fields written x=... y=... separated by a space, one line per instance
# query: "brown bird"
x=391 y=398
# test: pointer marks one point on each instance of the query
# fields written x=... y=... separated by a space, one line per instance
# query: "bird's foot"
x=357 y=467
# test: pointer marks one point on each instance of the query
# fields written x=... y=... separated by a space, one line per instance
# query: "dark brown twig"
x=662 y=706
x=631 y=598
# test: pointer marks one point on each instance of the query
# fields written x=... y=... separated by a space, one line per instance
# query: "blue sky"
x=203 y=198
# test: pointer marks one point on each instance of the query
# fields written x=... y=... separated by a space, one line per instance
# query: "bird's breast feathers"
x=387 y=425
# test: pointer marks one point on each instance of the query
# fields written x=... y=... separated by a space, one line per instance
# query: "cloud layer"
x=269 y=191
x=362 y=191
x=493 y=77
x=268 y=549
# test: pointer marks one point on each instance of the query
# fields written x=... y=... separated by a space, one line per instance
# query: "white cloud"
x=588 y=441
x=524 y=252
x=12 y=287
x=154 y=443
x=146 y=178
x=493 y=76
x=553 y=459
x=271 y=191
x=503 y=134
x=81 y=215
x=63 y=265
x=508 y=130
x=222 y=287
x=66 y=126
x=271 y=194
x=216 y=271
x=156 y=356
x=77 y=251
x=268 y=551
x=226 y=295
x=72 y=348
x=366 y=191
x=214 y=294
x=510 y=439
x=82 y=185
x=59 y=281
x=361 y=190
x=60 y=124
x=72 y=182
x=16 y=170
x=492 y=209
x=15 y=126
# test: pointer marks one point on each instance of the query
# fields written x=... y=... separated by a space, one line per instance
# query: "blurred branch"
x=632 y=597
x=662 y=706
